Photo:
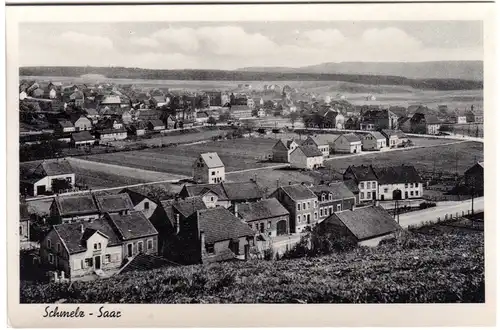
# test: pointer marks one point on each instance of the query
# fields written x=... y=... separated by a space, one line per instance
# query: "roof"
x=156 y=122
x=212 y=159
x=65 y=123
x=316 y=141
x=298 y=192
x=350 y=137
x=432 y=119
x=363 y=173
x=397 y=174
x=264 y=209
x=393 y=132
x=219 y=224
x=185 y=206
x=82 y=136
x=111 y=99
x=142 y=262
x=353 y=187
x=310 y=151
x=56 y=167
x=111 y=130
x=76 y=95
x=132 y=225
x=135 y=196
x=233 y=191
x=76 y=204
x=338 y=189
x=201 y=189
x=202 y=114
x=366 y=222
x=114 y=203
x=377 y=135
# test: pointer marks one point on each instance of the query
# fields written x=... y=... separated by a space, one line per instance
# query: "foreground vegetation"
x=414 y=268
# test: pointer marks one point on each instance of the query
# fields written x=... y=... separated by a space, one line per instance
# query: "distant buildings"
x=347 y=144
x=49 y=176
x=306 y=157
x=373 y=141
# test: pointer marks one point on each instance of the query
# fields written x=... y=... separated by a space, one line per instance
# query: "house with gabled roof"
x=266 y=216
x=348 y=144
x=208 y=168
x=97 y=248
x=224 y=194
x=474 y=178
x=394 y=138
x=156 y=125
x=65 y=126
x=333 y=197
x=82 y=139
x=373 y=141
x=301 y=202
x=282 y=149
x=306 y=157
x=323 y=146
x=141 y=202
x=360 y=224
x=43 y=177
x=366 y=180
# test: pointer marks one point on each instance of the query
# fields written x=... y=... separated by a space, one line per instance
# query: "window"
x=59 y=247
x=339 y=207
x=321 y=212
x=406 y=185
x=210 y=248
x=309 y=218
x=362 y=185
x=150 y=244
x=298 y=206
x=256 y=227
x=212 y=198
x=88 y=262
x=213 y=172
x=298 y=219
x=268 y=224
x=315 y=215
x=146 y=205
x=411 y=193
x=386 y=190
x=49 y=244
x=20 y=230
x=362 y=195
x=368 y=185
x=411 y=185
x=51 y=258
x=261 y=227
x=330 y=197
x=315 y=204
x=416 y=185
x=308 y=205
x=140 y=246
x=303 y=206
x=95 y=246
x=416 y=193
x=331 y=209
x=323 y=198
x=369 y=195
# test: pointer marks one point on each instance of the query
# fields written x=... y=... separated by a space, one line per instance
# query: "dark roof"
x=298 y=192
x=338 y=189
x=366 y=222
x=432 y=119
x=201 y=189
x=112 y=130
x=156 y=122
x=397 y=174
x=264 y=209
x=56 y=167
x=377 y=135
x=242 y=190
x=142 y=262
x=114 y=203
x=76 y=204
x=351 y=137
x=185 y=206
x=72 y=234
x=351 y=184
x=219 y=224
x=363 y=173
x=135 y=196
x=65 y=123
x=132 y=225
x=310 y=151
x=393 y=132
x=316 y=141
x=82 y=136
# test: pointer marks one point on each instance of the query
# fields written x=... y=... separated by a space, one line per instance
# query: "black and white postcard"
x=251 y=165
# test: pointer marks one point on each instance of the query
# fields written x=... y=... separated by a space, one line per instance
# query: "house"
x=99 y=247
x=208 y=168
x=347 y=144
x=111 y=101
x=24 y=222
x=404 y=124
x=333 y=197
x=458 y=117
x=474 y=116
x=282 y=149
x=377 y=119
x=240 y=111
x=334 y=119
x=156 y=125
x=137 y=129
x=354 y=188
x=64 y=126
x=126 y=117
x=224 y=194
x=324 y=147
x=261 y=113
x=352 y=123
x=78 y=98
x=394 y=138
x=386 y=183
x=425 y=124
x=301 y=202
x=365 y=179
x=210 y=235
x=267 y=217
x=82 y=139
x=111 y=134
x=74 y=208
x=306 y=157
x=373 y=141
x=82 y=123
x=201 y=117
x=92 y=114
x=47 y=176
x=474 y=178
x=360 y=224
x=114 y=204
x=141 y=202
x=158 y=101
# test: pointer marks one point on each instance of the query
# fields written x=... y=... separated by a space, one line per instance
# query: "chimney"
x=81 y=228
x=236 y=210
x=177 y=224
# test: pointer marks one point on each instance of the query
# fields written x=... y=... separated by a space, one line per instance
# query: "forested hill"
x=137 y=73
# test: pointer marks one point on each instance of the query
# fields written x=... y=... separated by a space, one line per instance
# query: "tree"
x=294 y=116
x=59 y=185
x=211 y=121
x=224 y=117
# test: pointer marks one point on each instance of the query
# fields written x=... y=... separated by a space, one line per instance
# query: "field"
x=239 y=154
x=416 y=268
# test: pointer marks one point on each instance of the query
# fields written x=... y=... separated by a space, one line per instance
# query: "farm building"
x=82 y=139
x=240 y=111
x=474 y=178
x=224 y=194
x=64 y=126
x=156 y=125
x=98 y=247
x=267 y=217
x=474 y=116
x=306 y=157
x=425 y=124
x=333 y=197
x=394 y=138
x=45 y=177
x=334 y=119
x=137 y=129
x=141 y=202
x=301 y=202
x=373 y=141
x=360 y=224
x=82 y=123
x=282 y=149
x=322 y=146
x=111 y=134
x=348 y=144
x=208 y=168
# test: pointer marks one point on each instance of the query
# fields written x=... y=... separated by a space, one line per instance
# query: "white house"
x=40 y=180
x=394 y=179
x=261 y=113
x=65 y=126
x=110 y=134
x=324 y=147
x=366 y=180
x=374 y=141
x=52 y=93
x=208 y=168
x=306 y=157
x=82 y=123
x=348 y=144
x=141 y=202
x=82 y=139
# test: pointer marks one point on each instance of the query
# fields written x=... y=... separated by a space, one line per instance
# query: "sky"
x=228 y=46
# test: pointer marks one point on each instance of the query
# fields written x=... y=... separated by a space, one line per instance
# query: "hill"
x=468 y=70
x=440 y=268
x=137 y=73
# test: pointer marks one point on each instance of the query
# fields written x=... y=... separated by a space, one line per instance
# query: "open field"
x=238 y=154
x=417 y=268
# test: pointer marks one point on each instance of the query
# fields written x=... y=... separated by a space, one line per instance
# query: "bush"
x=425 y=205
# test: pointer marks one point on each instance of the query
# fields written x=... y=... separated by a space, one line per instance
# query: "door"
x=406 y=194
x=235 y=247
x=281 y=228
x=129 y=250
x=97 y=262
x=40 y=190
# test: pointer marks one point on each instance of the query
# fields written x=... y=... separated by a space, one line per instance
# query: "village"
x=222 y=210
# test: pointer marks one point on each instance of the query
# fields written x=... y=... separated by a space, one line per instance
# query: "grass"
x=416 y=268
